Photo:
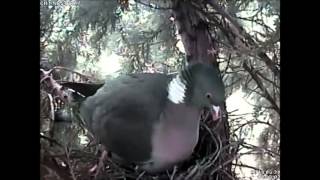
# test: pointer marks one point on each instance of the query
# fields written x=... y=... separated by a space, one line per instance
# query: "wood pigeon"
x=151 y=119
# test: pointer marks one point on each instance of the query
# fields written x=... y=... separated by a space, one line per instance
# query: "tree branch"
x=240 y=34
x=268 y=80
x=153 y=6
x=262 y=88
x=256 y=148
x=247 y=166
x=257 y=122
x=70 y=70
x=67 y=153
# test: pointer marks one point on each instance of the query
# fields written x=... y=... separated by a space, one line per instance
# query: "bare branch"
x=224 y=13
x=257 y=122
x=51 y=140
x=262 y=88
x=239 y=35
x=246 y=166
x=70 y=70
x=67 y=153
x=153 y=6
x=229 y=161
x=256 y=21
x=263 y=77
x=257 y=148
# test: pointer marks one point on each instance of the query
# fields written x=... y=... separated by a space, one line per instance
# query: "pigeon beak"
x=216 y=113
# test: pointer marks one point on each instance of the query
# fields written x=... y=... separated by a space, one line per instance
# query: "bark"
x=195 y=35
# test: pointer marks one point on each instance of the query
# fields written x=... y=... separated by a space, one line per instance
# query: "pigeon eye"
x=209 y=95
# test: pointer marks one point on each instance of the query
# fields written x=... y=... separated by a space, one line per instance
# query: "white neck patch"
x=176 y=90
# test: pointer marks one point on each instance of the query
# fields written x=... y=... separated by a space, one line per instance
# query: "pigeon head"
x=199 y=85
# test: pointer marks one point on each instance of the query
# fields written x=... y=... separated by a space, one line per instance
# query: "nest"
x=210 y=160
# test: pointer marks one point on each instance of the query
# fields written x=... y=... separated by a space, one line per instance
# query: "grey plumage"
x=134 y=117
x=112 y=106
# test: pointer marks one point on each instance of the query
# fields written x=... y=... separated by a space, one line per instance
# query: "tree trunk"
x=201 y=47
x=195 y=36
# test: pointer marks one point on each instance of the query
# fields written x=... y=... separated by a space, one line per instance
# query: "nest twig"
x=205 y=163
